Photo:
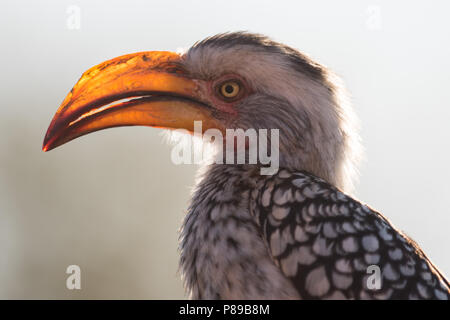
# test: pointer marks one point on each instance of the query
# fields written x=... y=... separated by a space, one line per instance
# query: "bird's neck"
x=222 y=253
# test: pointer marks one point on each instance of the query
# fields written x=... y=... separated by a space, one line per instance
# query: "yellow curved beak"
x=146 y=88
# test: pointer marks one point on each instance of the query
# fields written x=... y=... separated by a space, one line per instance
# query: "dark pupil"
x=229 y=89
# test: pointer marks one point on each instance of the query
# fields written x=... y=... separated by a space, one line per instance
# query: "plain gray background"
x=112 y=202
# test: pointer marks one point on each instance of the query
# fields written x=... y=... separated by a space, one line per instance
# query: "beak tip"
x=47 y=145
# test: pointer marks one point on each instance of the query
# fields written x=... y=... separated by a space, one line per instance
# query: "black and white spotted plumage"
x=324 y=241
x=294 y=236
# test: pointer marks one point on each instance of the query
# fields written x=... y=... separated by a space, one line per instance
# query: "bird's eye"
x=229 y=89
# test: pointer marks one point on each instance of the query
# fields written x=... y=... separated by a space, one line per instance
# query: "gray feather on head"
x=292 y=93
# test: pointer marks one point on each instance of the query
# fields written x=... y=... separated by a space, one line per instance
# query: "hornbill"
x=295 y=234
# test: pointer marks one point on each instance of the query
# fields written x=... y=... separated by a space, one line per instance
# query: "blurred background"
x=113 y=202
